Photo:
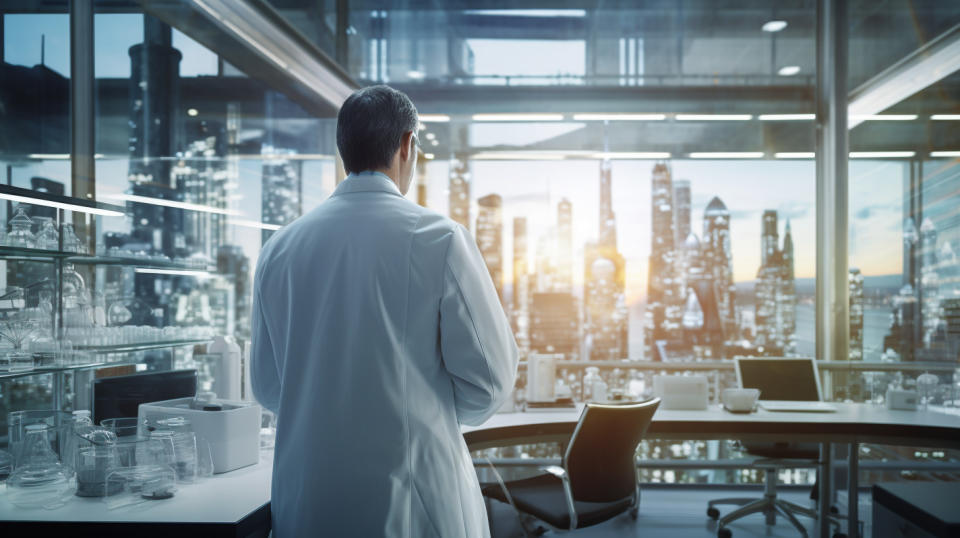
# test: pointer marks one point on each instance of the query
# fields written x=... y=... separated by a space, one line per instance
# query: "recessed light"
x=774 y=26
x=192 y=112
x=714 y=117
x=416 y=75
x=428 y=156
x=434 y=118
x=788 y=70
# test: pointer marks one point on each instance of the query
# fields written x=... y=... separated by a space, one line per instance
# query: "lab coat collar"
x=366 y=182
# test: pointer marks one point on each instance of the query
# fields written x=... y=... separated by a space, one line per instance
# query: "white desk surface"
x=861 y=422
x=222 y=498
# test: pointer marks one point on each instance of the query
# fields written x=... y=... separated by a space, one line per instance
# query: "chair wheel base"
x=724 y=533
x=634 y=513
x=713 y=513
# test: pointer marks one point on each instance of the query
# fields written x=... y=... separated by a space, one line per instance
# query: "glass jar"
x=71 y=242
x=20 y=229
x=47 y=237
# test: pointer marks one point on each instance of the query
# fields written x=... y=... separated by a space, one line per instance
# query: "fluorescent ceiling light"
x=945 y=117
x=774 y=26
x=882 y=117
x=434 y=118
x=714 y=117
x=518 y=156
x=938 y=58
x=788 y=70
x=253 y=224
x=945 y=153
x=528 y=12
x=632 y=155
x=174 y=272
x=795 y=155
x=170 y=203
x=727 y=155
x=417 y=75
x=881 y=154
x=49 y=156
x=518 y=117
x=619 y=117
x=61 y=205
x=786 y=117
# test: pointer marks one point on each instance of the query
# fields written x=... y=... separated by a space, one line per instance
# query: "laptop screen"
x=780 y=379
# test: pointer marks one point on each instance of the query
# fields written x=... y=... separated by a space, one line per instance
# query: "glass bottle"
x=47 y=236
x=20 y=225
x=40 y=481
x=72 y=243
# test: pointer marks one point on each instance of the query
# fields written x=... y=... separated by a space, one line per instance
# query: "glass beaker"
x=40 y=481
x=94 y=461
x=47 y=236
x=20 y=226
x=59 y=423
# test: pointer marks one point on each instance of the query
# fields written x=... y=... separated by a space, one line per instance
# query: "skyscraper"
x=681 y=214
x=769 y=238
x=776 y=297
x=788 y=292
x=460 y=191
x=489 y=237
x=554 y=325
x=664 y=296
x=564 y=259
x=855 y=281
x=281 y=188
x=605 y=311
x=718 y=261
x=520 y=311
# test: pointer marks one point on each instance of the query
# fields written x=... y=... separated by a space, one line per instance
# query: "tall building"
x=490 y=237
x=664 y=295
x=929 y=285
x=856 y=314
x=681 y=213
x=605 y=311
x=564 y=259
x=281 y=188
x=718 y=261
x=520 y=311
x=776 y=297
x=460 y=191
x=554 y=324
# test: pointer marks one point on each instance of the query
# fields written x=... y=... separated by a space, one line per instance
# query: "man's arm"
x=476 y=342
x=264 y=371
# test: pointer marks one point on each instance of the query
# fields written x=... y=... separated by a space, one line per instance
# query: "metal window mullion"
x=82 y=131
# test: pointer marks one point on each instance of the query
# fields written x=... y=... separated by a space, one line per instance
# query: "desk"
x=852 y=424
x=230 y=504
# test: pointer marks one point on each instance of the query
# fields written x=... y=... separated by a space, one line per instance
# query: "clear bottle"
x=47 y=237
x=40 y=481
x=20 y=225
x=80 y=425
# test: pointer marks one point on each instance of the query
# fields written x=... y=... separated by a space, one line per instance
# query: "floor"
x=679 y=512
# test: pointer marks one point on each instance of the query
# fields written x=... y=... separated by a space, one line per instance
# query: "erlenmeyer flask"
x=40 y=481
x=20 y=225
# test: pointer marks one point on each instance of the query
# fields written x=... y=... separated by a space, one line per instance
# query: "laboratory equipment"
x=120 y=396
x=541 y=377
x=140 y=483
x=18 y=422
x=96 y=457
x=740 y=400
x=20 y=225
x=227 y=367
x=39 y=479
x=47 y=237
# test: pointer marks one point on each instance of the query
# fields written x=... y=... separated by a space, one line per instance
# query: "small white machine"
x=681 y=392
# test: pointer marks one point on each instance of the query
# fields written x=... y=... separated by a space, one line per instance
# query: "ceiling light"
x=619 y=117
x=49 y=156
x=714 y=117
x=170 y=203
x=881 y=154
x=431 y=136
x=788 y=70
x=518 y=117
x=774 y=26
x=416 y=75
x=518 y=156
x=945 y=117
x=727 y=155
x=253 y=224
x=434 y=118
x=174 y=272
x=428 y=156
x=945 y=153
x=795 y=155
x=883 y=117
x=434 y=143
x=61 y=205
x=631 y=155
x=786 y=117
x=192 y=112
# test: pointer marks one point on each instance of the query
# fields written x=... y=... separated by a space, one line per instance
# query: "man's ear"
x=406 y=145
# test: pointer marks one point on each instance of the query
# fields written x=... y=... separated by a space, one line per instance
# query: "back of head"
x=370 y=125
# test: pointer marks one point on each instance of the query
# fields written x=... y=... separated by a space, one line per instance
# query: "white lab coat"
x=376 y=333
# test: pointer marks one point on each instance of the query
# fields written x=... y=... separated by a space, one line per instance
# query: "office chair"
x=598 y=478
x=771 y=458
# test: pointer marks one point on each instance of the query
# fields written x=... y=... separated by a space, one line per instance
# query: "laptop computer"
x=785 y=384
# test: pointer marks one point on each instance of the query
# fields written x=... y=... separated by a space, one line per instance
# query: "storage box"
x=233 y=433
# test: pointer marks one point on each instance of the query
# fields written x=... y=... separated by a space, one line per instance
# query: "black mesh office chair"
x=598 y=476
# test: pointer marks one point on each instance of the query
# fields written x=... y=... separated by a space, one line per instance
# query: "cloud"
x=870 y=211
x=742 y=214
x=794 y=210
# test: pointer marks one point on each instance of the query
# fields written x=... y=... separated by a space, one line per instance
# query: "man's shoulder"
x=435 y=229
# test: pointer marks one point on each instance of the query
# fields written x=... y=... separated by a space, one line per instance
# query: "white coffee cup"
x=740 y=400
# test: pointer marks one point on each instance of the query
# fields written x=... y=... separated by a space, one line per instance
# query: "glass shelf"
x=43 y=255
x=66 y=368
x=143 y=346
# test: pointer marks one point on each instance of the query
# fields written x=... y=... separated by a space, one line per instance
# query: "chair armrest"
x=561 y=473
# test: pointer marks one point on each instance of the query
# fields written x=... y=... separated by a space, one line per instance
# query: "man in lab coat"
x=376 y=332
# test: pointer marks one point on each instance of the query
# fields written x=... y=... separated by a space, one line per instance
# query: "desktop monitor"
x=121 y=396
x=780 y=378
